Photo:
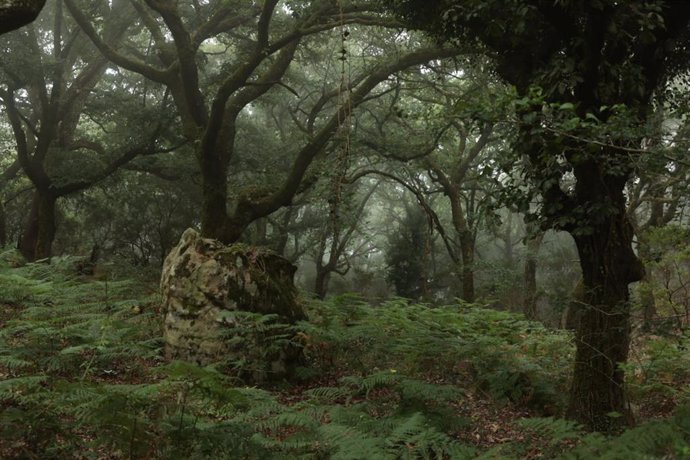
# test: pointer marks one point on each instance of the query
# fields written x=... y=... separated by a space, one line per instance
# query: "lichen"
x=205 y=284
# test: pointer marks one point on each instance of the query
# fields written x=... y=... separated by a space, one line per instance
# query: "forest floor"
x=82 y=376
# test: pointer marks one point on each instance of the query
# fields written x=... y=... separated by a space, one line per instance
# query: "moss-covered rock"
x=215 y=298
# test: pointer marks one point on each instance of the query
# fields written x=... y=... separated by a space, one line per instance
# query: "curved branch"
x=126 y=62
x=247 y=211
x=420 y=199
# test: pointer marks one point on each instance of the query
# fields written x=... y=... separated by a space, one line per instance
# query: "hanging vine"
x=343 y=136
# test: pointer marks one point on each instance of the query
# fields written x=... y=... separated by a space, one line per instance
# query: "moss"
x=208 y=283
x=271 y=275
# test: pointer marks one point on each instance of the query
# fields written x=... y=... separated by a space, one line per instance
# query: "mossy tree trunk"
x=609 y=265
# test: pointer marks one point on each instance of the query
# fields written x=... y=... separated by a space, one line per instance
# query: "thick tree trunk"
x=39 y=232
x=597 y=397
x=530 y=306
x=467 y=251
x=214 y=214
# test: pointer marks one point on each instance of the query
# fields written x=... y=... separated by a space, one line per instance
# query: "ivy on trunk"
x=586 y=59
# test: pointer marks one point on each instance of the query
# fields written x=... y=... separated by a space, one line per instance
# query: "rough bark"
x=39 y=232
x=609 y=265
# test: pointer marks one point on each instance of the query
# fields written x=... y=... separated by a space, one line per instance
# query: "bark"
x=39 y=232
x=608 y=265
x=283 y=233
x=213 y=210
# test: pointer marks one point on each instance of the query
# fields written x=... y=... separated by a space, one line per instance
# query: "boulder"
x=215 y=297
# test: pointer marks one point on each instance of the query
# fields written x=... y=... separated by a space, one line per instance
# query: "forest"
x=344 y=229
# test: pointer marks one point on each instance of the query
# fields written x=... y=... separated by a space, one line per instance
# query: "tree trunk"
x=648 y=303
x=3 y=226
x=323 y=276
x=467 y=251
x=608 y=263
x=214 y=214
x=39 y=232
x=530 y=306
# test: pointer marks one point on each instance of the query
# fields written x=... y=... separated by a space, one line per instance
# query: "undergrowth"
x=81 y=377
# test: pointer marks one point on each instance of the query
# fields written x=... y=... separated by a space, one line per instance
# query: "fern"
x=556 y=429
x=81 y=361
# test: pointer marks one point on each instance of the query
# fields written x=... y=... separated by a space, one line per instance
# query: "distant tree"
x=448 y=123
x=407 y=254
x=337 y=235
x=534 y=239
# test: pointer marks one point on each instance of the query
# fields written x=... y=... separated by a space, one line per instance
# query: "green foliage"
x=667 y=262
x=512 y=358
x=406 y=254
x=659 y=380
x=668 y=438
x=81 y=375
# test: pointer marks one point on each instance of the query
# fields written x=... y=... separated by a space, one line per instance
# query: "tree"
x=599 y=62
x=258 y=66
x=50 y=76
x=407 y=254
x=17 y=13
x=345 y=215
x=655 y=198
x=453 y=112
x=534 y=239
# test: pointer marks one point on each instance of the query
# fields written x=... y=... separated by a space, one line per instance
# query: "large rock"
x=207 y=289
